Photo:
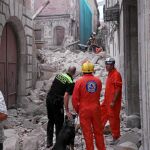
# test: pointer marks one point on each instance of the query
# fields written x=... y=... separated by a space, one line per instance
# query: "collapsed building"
x=62 y=22
x=28 y=25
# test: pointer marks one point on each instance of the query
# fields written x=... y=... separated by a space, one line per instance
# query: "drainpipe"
x=40 y=9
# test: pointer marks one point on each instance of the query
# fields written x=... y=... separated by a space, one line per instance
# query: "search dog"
x=66 y=136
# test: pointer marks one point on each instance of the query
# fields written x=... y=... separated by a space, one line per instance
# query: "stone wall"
x=55 y=7
x=62 y=14
x=47 y=26
x=19 y=17
x=144 y=68
x=95 y=15
x=131 y=56
x=121 y=46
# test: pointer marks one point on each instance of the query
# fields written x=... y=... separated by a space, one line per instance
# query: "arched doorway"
x=59 y=35
x=8 y=66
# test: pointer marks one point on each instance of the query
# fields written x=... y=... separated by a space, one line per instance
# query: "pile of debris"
x=25 y=128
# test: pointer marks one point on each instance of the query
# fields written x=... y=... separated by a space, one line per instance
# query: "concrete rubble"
x=25 y=128
x=126 y=146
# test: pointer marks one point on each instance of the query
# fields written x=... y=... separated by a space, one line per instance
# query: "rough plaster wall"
x=95 y=14
x=28 y=3
x=62 y=13
x=131 y=57
x=116 y=51
x=121 y=48
x=134 y=66
x=72 y=8
x=144 y=55
x=111 y=47
x=55 y=7
x=20 y=1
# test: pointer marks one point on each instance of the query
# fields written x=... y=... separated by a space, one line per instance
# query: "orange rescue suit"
x=85 y=100
x=113 y=84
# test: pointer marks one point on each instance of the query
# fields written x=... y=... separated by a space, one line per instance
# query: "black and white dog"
x=66 y=135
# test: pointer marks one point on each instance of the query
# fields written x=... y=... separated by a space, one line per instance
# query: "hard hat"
x=87 y=67
x=110 y=61
x=94 y=33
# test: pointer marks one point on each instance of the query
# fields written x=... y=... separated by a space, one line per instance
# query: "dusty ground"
x=25 y=128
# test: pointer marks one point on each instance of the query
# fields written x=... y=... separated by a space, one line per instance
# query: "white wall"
x=144 y=65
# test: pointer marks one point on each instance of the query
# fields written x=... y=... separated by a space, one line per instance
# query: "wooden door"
x=8 y=66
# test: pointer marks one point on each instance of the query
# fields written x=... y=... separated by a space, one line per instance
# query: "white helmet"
x=110 y=61
x=94 y=33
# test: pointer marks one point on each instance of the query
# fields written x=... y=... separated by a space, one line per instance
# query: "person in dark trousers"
x=57 y=97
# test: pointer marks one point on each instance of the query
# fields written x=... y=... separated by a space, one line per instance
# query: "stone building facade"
x=129 y=43
x=144 y=67
x=16 y=54
x=58 y=22
x=95 y=16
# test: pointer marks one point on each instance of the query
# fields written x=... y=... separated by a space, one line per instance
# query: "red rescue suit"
x=85 y=100
x=113 y=84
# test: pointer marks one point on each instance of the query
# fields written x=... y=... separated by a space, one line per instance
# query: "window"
x=38 y=34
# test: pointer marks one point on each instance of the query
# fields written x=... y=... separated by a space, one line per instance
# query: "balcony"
x=111 y=13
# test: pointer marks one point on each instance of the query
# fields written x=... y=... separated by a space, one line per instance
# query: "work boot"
x=71 y=147
x=49 y=144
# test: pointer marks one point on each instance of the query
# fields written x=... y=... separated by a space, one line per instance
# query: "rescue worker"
x=94 y=42
x=89 y=41
x=58 y=96
x=111 y=105
x=86 y=103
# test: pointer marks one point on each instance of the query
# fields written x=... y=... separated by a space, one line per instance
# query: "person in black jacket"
x=57 y=97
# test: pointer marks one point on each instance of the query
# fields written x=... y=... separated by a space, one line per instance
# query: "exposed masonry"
x=21 y=19
x=56 y=24
x=47 y=26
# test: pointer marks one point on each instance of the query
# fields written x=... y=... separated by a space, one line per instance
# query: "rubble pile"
x=25 y=128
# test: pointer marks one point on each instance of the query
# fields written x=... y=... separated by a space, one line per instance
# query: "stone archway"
x=13 y=46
